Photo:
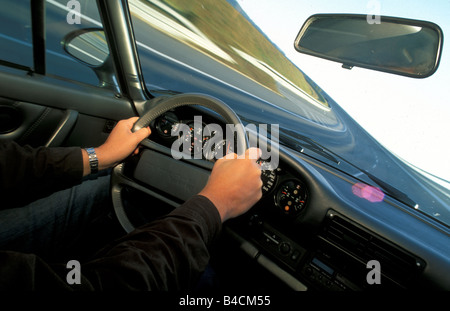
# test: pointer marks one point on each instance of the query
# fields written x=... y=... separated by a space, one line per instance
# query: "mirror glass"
x=89 y=47
x=400 y=46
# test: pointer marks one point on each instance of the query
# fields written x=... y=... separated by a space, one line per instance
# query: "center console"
x=342 y=256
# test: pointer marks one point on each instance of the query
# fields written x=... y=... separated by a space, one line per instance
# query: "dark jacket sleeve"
x=167 y=254
x=27 y=174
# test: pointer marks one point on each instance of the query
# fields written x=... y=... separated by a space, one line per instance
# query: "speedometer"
x=214 y=150
x=194 y=139
x=291 y=197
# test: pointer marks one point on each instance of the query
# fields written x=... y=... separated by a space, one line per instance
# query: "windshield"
x=245 y=48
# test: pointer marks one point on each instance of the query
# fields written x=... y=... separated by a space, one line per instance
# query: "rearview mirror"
x=400 y=46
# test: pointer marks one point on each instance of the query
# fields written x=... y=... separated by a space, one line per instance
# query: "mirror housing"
x=88 y=46
x=395 y=45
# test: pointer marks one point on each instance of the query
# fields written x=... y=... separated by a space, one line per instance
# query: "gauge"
x=291 y=197
x=268 y=176
x=194 y=139
x=215 y=150
x=166 y=124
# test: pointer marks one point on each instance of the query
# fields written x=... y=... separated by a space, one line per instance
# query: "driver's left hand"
x=121 y=143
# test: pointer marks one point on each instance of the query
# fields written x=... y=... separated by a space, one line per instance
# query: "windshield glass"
x=242 y=52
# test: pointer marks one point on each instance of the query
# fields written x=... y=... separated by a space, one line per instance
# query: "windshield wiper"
x=392 y=191
x=289 y=138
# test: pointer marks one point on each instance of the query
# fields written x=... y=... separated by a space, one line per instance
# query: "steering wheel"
x=156 y=170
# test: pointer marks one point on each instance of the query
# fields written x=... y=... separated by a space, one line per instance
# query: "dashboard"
x=309 y=228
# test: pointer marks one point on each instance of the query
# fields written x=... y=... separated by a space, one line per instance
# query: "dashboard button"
x=285 y=248
x=295 y=255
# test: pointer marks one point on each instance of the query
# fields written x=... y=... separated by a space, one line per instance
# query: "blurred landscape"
x=220 y=30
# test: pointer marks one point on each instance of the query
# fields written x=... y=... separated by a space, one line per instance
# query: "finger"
x=143 y=133
x=132 y=119
x=129 y=123
x=230 y=156
x=252 y=154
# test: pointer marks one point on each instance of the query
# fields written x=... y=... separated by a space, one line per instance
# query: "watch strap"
x=93 y=161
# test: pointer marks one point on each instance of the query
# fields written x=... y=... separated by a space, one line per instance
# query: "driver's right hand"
x=235 y=184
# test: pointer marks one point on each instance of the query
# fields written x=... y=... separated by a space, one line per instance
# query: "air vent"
x=396 y=264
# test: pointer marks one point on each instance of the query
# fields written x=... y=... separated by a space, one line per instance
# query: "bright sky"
x=411 y=117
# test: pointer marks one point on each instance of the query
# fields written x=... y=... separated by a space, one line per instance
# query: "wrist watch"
x=93 y=161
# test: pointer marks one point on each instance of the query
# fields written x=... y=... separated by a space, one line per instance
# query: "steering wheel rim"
x=119 y=179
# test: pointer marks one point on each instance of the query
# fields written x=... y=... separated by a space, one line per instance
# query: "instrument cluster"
x=288 y=193
x=196 y=136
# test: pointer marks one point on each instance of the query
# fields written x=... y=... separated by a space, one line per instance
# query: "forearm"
x=28 y=173
x=167 y=254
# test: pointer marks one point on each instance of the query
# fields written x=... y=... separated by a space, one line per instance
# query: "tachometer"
x=291 y=197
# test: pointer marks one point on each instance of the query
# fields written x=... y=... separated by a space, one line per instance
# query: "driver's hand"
x=120 y=143
x=235 y=184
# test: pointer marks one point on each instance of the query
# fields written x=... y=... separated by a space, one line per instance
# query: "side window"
x=16 y=44
x=62 y=18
